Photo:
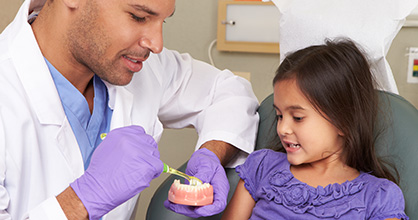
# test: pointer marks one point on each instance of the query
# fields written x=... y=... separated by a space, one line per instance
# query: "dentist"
x=73 y=70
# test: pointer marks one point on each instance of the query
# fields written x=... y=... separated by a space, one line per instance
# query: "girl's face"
x=305 y=134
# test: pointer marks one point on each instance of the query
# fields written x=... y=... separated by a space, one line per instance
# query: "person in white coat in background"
x=373 y=24
x=72 y=71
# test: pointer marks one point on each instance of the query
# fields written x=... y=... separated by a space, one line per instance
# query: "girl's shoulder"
x=384 y=197
x=262 y=162
x=381 y=189
x=259 y=166
x=375 y=183
x=268 y=157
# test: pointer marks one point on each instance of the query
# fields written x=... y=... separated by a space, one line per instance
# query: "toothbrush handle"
x=170 y=170
x=193 y=180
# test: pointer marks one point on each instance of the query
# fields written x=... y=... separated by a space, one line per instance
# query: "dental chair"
x=399 y=140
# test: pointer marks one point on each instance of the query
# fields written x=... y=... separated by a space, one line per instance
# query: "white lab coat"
x=39 y=154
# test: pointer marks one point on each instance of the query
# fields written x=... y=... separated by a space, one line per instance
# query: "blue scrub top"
x=86 y=127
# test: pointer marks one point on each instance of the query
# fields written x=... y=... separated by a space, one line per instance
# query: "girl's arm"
x=241 y=204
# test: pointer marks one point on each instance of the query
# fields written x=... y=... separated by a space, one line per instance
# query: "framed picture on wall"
x=248 y=26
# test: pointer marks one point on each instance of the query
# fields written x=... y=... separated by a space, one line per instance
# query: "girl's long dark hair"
x=336 y=79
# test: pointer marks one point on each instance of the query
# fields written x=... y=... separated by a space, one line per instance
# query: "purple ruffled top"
x=279 y=195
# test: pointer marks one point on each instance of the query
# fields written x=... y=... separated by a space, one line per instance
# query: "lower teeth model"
x=190 y=195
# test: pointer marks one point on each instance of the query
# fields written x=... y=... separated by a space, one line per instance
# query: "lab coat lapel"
x=42 y=94
x=34 y=75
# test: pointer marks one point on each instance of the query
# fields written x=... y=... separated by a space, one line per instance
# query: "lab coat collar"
x=33 y=71
x=39 y=87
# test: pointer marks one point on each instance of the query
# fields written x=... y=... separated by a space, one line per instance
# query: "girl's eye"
x=298 y=118
x=138 y=19
x=279 y=117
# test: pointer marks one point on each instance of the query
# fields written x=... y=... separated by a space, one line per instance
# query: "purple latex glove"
x=121 y=167
x=205 y=165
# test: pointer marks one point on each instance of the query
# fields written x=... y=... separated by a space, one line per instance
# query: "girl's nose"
x=283 y=128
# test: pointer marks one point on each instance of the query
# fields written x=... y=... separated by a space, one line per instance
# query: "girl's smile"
x=291 y=147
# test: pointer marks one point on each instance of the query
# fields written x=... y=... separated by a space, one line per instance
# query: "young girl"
x=326 y=107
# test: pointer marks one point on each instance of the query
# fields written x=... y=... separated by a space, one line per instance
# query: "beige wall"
x=407 y=37
x=192 y=29
x=8 y=9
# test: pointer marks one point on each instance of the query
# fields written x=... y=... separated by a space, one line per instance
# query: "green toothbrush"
x=193 y=181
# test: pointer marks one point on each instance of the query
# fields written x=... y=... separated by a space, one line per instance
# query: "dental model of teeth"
x=185 y=194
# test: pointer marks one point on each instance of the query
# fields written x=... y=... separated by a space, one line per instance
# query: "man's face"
x=112 y=38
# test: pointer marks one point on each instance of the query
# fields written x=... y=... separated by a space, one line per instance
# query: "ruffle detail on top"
x=332 y=201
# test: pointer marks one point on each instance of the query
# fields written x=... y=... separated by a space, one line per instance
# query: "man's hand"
x=205 y=165
x=121 y=167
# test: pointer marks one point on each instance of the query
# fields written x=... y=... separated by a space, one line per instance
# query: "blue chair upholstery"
x=399 y=141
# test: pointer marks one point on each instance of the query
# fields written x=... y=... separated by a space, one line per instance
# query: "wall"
x=8 y=9
x=407 y=37
x=192 y=29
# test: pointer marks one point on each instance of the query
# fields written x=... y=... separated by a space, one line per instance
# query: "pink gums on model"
x=190 y=195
